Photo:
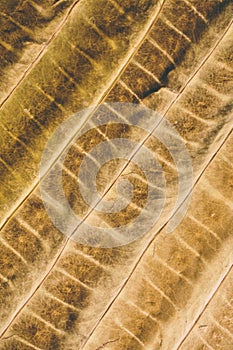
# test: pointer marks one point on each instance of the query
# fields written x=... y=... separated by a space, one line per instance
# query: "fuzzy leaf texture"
x=162 y=291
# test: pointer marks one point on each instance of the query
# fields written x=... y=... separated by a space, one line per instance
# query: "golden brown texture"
x=175 y=57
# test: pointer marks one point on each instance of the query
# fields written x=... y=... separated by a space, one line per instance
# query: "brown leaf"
x=159 y=291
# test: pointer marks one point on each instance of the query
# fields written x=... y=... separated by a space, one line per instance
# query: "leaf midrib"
x=198 y=177
x=214 y=292
x=102 y=98
x=120 y=71
x=150 y=242
x=38 y=56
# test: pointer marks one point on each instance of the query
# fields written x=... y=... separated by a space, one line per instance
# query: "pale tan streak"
x=160 y=291
x=223 y=329
x=51 y=201
x=126 y=330
x=117 y=113
x=58 y=3
x=185 y=141
x=4 y=278
x=141 y=179
x=145 y=70
x=143 y=312
x=50 y=98
x=9 y=168
x=207 y=187
x=136 y=207
x=30 y=229
x=51 y=296
x=66 y=170
x=82 y=53
x=104 y=223
x=88 y=155
x=91 y=259
x=110 y=41
x=196 y=11
x=215 y=92
x=17 y=139
x=163 y=160
x=67 y=75
x=166 y=21
x=73 y=176
x=123 y=119
x=106 y=138
x=48 y=324
x=162 y=50
x=11 y=19
x=23 y=341
x=6 y=45
x=65 y=273
x=31 y=116
x=13 y=250
x=128 y=89
x=120 y=10
x=37 y=7
x=223 y=65
x=177 y=273
x=208 y=122
x=25 y=225
x=186 y=245
x=199 y=223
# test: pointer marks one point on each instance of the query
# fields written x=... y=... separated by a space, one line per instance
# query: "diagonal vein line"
x=194 y=185
x=150 y=242
x=45 y=46
x=214 y=292
x=126 y=62
x=148 y=245
x=98 y=102
x=156 y=126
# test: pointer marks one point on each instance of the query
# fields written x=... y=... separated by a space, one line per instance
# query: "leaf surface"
x=176 y=58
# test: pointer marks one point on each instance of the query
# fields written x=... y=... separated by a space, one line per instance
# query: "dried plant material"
x=161 y=291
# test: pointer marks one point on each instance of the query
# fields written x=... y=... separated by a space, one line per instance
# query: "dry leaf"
x=162 y=291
